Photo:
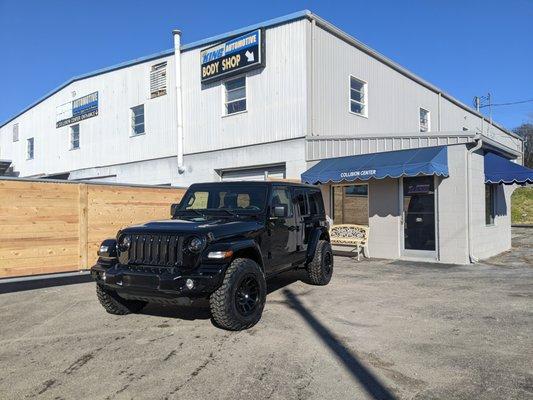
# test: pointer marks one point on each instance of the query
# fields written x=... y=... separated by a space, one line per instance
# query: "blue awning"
x=390 y=164
x=499 y=169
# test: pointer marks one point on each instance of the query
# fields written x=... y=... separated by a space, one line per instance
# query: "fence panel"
x=49 y=227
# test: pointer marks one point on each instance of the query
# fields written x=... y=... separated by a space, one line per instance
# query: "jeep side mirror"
x=173 y=209
x=280 y=212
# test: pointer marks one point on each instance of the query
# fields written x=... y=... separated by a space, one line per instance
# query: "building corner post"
x=179 y=100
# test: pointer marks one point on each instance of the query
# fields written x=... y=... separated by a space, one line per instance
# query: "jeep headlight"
x=124 y=243
x=195 y=244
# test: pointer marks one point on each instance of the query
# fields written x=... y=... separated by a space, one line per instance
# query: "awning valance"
x=392 y=164
x=499 y=169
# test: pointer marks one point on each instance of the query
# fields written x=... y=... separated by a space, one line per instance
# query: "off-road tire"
x=114 y=304
x=318 y=270
x=223 y=301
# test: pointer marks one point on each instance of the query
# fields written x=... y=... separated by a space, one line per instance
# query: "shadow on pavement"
x=44 y=282
x=361 y=374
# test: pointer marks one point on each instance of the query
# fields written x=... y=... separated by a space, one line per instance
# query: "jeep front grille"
x=160 y=250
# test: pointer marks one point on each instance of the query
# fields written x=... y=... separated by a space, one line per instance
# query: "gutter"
x=179 y=99
x=479 y=143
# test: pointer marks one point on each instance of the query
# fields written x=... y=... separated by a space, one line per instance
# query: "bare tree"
x=526 y=132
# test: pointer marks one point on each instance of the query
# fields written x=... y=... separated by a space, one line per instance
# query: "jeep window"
x=237 y=198
x=316 y=204
x=198 y=201
x=281 y=197
x=301 y=202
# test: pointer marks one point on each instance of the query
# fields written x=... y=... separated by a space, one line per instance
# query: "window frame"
x=365 y=96
x=420 y=109
x=72 y=135
x=132 y=121
x=15 y=131
x=490 y=214
x=28 y=141
x=225 y=92
x=155 y=69
x=287 y=190
x=343 y=187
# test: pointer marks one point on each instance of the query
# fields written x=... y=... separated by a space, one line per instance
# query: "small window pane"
x=75 y=137
x=236 y=83
x=357 y=108
x=358 y=96
x=137 y=120
x=355 y=84
x=236 y=106
x=16 y=132
x=490 y=205
x=30 y=149
x=236 y=94
x=424 y=120
x=235 y=99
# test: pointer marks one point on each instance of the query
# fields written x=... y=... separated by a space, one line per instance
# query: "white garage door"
x=254 y=174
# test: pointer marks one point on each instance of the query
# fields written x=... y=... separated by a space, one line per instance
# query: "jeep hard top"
x=222 y=242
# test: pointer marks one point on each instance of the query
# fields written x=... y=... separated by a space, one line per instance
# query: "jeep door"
x=301 y=203
x=282 y=231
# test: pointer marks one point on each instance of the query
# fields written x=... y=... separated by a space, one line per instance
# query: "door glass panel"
x=419 y=213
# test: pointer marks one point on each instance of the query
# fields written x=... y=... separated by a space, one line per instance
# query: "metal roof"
x=268 y=24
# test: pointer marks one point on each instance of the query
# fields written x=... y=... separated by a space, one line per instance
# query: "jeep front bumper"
x=171 y=283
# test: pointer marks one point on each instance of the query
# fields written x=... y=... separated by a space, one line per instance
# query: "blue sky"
x=466 y=48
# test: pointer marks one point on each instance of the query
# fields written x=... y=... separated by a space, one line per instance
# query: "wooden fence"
x=51 y=226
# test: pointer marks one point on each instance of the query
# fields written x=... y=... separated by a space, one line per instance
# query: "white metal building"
x=300 y=91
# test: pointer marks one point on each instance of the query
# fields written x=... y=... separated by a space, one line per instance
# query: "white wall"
x=384 y=218
x=276 y=97
x=104 y=139
x=202 y=167
x=393 y=99
x=489 y=240
x=452 y=211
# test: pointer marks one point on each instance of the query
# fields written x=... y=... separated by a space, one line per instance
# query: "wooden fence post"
x=83 y=215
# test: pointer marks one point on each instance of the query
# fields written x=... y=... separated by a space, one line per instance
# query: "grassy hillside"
x=522 y=206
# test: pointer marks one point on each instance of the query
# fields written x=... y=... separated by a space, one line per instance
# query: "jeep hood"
x=219 y=227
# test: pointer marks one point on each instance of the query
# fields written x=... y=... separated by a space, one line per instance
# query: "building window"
x=425 y=120
x=30 y=149
x=137 y=120
x=490 y=203
x=358 y=97
x=74 y=137
x=16 y=132
x=158 y=80
x=235 y=96
x=350 y=204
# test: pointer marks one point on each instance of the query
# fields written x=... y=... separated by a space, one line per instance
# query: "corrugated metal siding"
x=104 y=139
x=393 y=99
x=276 y=97
x=328 y=147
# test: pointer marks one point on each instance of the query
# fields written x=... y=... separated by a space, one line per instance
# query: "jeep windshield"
x=223 y=199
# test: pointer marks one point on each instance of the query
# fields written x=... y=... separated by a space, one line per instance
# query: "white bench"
x=351 y=235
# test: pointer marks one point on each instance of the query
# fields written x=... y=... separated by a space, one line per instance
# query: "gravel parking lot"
x=381 y=329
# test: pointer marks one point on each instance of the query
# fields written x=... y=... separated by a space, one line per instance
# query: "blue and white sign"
x=77 y=110
x=235 y=56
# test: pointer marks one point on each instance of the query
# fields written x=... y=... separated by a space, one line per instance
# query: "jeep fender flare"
x=316 y=234
x=246 y=247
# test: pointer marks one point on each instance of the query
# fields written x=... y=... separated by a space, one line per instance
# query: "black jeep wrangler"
x=223 y=241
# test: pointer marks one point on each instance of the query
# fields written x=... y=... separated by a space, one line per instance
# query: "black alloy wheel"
x=247 y=296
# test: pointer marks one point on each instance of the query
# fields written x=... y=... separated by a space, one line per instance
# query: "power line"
x=507 y=104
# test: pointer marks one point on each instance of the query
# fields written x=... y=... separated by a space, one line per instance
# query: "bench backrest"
x=349 y=232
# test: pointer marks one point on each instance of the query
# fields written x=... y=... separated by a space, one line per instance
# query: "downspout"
x=179 y=100
x=479 y=143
